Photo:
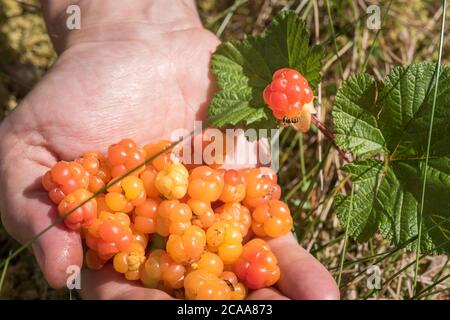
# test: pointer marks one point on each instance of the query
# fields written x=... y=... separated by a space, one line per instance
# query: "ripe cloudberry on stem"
x=161 y=272
x=287 y=94
x=205 y=184
x=272 y=219
x=257 y=267
x=173 y=181
x=125 y=156
x=63 y=178
x=84 y=215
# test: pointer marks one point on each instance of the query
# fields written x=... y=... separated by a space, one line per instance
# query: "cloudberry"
x=204 y=215
x=160 y=271
x=205 y=184
x=287 y=94
x=236 y=214
x=225 y=239
x=82 y=216
x=125 y=156
x=234 y=186
x=63 y=178
x=164 y=159
x=173 y=181
x=260 y=191
x=187 y=247
x=173 y=217
x=109 y=234
x=144 y=218
x=238 y=289
x=204 y=285
x=257 y=267
x=272 y=219
x=129 y=262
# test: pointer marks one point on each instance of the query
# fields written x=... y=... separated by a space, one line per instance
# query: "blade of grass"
x=333 y=35
x=4 y=271
x=344 y=245
x=222 y=14
x=431 y=286
x=430 y=131
x=229 y=15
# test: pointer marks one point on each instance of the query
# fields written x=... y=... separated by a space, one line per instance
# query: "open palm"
x=141 y=85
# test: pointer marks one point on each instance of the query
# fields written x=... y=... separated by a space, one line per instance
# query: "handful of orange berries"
x=194 y=233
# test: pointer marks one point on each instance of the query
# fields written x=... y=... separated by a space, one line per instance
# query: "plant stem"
x=330 y=136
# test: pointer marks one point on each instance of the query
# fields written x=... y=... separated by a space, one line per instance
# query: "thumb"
x=27 y=211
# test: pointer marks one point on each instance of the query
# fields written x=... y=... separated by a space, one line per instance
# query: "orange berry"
x=272 y=219
x=144 y=217
x=164 y=159
x=236 y=214
x=211 y=262
x=205 y=184
x=204 y=214
x=204 y=285
x=234 y=186
x=160 y=271
x=173 y=217
x=82 y=216
x=63 y=178
x=260 y=191
x=187 y=247
x=238 y=289
x=125 y=156
x=257 y=267
x=172 y=181
x=148 y=177
x=225 y=239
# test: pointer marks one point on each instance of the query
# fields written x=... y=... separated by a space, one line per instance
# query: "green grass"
x=410 y=33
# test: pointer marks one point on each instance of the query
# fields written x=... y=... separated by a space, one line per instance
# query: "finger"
x=302 y=276
x=26 y=211
x=107 y=284
x=266 y=294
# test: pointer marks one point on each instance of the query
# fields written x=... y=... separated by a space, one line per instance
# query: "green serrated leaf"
x=392 y=119
x=244 y=68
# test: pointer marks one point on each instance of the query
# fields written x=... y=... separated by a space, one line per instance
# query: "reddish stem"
x=330 y=136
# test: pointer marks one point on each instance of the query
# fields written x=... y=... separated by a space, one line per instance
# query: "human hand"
x=132 y=71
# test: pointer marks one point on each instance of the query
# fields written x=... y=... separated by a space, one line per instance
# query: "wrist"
x=103 y=20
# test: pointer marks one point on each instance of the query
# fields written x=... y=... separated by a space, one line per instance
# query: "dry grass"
x=409 y=34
